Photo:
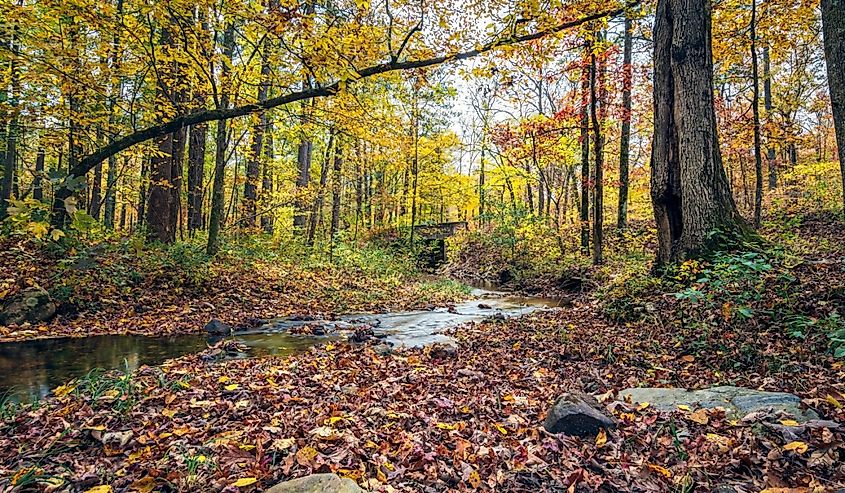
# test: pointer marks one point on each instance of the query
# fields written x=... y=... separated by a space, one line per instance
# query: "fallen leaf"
x=244 y=482
x=700 y=417
x=796 y=446
x=103 y=488
x=601 y=438
x=660 y=470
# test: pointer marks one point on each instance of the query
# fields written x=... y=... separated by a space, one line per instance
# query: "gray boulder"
x=737 y=401
x=217 y=328
x=577 y=415
x=317 y=483
x=31 y=305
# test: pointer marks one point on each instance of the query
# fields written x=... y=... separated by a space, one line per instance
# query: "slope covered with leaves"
x=117 y=287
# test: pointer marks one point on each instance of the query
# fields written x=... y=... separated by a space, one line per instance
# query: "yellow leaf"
x=799 y=447
x=223 y=379
x=231 y=387
x=329 y=347
x=601 y=438
x=474 y=479
x=333 y=420
x=517 y=345
x=789 y=422
x=63 y=390
x=643 y=405
x=305 y=455
x=660 y=470
x=501 y=428
x=684 y=407
x=832 y=400
x=447 y=426
x=103 y=488
x=244 y=482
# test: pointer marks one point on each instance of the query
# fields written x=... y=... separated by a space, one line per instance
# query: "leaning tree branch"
x=88 y=162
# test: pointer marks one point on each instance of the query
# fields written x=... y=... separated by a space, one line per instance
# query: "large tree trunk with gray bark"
x=689 y=188
x=833 y=27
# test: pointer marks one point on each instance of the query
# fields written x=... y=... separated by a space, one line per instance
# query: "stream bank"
x=29 y=370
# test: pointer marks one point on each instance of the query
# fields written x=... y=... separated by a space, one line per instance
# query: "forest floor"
x=118 y=287
x=424 y=419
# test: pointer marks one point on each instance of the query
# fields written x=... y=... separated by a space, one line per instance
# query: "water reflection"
x=30 y=370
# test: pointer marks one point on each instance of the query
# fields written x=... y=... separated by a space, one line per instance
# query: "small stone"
x=577 y=415
x=383 y=349
x=317 y=483
x=217 y=328
x=484 y=306
x=442 y=351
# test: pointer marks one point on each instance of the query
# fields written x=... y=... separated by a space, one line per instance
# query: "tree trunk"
x=38 y=180
x=142 y=190
x=689 y=189
x=585 y=153
x=625 y=139
x=303 y=164
x=767 y=102
x=336 y=190
x=321 y=192
x=755 y=111
x=10 y=154
x=253 y=168
x=833 y=22
x=598 y=145
x=166 y=166
x=267 y=179
x=196 y=175
x=217 y=196
x=97 y=185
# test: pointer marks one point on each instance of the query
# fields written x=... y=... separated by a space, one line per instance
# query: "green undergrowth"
x=790 y=284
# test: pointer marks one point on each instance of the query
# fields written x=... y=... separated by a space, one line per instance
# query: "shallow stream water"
x=30 y=370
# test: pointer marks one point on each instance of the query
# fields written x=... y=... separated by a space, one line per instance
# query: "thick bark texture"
x=585 y=155
x=598 y=148
x=689 y=188
x=196 y=175
x=833 y=21
x=166 y=166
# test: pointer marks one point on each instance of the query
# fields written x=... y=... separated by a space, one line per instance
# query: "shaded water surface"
x=30 y=370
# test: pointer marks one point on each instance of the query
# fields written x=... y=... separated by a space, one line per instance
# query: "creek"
x=29 y=370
